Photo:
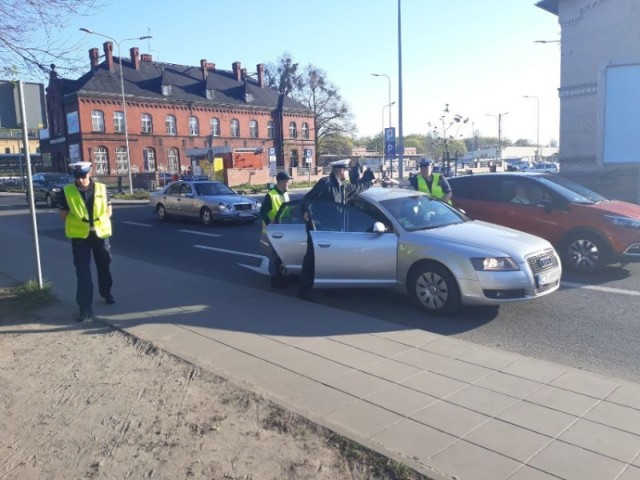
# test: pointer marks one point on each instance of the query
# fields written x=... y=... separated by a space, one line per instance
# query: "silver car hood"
x=230 y=199
x=487 y=237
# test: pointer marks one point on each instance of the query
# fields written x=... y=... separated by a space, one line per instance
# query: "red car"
x=588 y=230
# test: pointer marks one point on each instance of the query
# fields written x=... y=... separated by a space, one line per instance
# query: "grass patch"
x=25 y=298
x=136 y=195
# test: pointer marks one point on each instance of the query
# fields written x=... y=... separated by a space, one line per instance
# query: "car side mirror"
x=379 y=227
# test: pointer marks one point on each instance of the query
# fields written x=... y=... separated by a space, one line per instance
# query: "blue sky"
x=477 y=56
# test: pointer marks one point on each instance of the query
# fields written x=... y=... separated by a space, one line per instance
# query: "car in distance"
x=588 y=230
x=211 y=202
x=544 y=167
x=47 y=187
x=409 y=241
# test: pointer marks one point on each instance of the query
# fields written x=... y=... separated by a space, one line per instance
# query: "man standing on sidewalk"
x=86 y=211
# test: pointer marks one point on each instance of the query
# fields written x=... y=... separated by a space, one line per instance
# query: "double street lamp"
x=538 y=127
x=124 y=103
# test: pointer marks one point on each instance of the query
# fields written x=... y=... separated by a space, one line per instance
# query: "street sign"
x=390 y=135
x=307 y=153
x=390 y=149
x=272 y=152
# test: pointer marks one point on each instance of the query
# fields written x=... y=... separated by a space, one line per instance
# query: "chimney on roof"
x=236 y=70
x=108 y=54
x=203 y=67
x=94 y=57
x=146 y=57
x=135 y=58
x=260 y=70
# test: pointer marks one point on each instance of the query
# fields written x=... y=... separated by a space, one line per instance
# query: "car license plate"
x=546 y=278
x=246 y=214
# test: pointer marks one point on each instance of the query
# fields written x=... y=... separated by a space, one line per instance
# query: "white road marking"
x=601 y=289
x=195 y=232
x=138 y=224
x=263 y=269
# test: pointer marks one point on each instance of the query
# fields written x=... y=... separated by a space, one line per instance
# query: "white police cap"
x=340 y=163
x=83 y=167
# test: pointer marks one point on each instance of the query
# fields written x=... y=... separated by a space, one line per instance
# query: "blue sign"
x=272 y=151
x=390 y=149
x=390 y=135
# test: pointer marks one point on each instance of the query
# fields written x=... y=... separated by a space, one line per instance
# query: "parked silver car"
x=410 y=241
x=209 y=201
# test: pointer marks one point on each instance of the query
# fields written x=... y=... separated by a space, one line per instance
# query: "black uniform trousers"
x=308 y=268
x=82 y=250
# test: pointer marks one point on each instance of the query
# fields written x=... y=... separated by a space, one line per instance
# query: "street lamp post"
x=389 y=81
x=499 y=116
x=538 y=127
x=389 y=105
x=124 y=103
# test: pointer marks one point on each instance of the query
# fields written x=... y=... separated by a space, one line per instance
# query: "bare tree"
x=29 y=35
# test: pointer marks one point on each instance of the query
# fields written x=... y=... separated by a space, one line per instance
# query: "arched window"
x=174 y=160
x=122 y=164
x=97 y=121
x=149 y=155
x=305 y=130
x=170 y=121
x=215 y=127
x=147 y=123
x=253 y=129
x=100 y=161
x=194 y=126
x=270 y=129
x=235 y=128
x=118 y=122
x=293 y=130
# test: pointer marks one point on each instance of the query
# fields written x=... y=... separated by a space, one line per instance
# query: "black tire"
x=161 y=212
x=205 y=216
x=49 y=200
x=434 y=289
x=584 y=252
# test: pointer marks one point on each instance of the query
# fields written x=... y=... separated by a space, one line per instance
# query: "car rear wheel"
x=161 y=212
x=434 y=289
x=584 y=252
x=49 y=200
x=205 y=216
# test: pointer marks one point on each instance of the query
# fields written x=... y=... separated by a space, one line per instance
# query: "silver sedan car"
x=419 y=245
x=211 y=202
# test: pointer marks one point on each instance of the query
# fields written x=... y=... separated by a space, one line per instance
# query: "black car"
x=47 y=187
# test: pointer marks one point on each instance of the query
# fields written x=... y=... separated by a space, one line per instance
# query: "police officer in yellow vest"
x=274 y=198
x=86 y=211
x=427 y=181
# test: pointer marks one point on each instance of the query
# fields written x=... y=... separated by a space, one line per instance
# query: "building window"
x=293 y=130
x=166 y=90
x=305 y=130
x=149 y=155
x=210 y=93
x=174 y=160
x=194 y=128
x=122 y=164
x=270 y=129
x=147 y=123
x=294 y=158
x=170 y=122
x=215 y=127
x=100 y=161
x=97 y=121
x=235 y=128
x=118 y=122
x=253 y=129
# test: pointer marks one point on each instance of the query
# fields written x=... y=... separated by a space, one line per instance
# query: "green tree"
x=522 y=142
x=416 y=141
x=30 y=35
x=337 y=145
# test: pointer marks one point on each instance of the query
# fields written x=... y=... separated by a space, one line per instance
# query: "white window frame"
x=170 y=122
x=118 y=122
x=122 y=164
x=215 y=126
x=293 y=130
x=150 y=155
x=101 y=160
x=270 y=129
x=147 y=123
x=235 y=128
x=97 y=121
x=173 y=159
x=194 y=126
x=253 y=129
x=305 y=130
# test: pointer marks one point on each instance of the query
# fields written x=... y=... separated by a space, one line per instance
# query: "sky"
x=478 y=56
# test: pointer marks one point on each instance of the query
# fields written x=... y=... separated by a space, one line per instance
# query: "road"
x=592 y=322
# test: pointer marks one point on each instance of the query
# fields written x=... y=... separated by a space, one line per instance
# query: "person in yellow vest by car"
x=86 y=211
x=434 y=184
x=272 y=202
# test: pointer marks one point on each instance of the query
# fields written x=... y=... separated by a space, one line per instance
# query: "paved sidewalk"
x=443 y=406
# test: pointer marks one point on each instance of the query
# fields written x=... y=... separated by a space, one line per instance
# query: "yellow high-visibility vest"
x=77 y=222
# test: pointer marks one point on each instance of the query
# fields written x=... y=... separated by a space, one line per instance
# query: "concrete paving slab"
x=623 y=418
x=574 y=463
x=421 y=358
x=508 y=440
x=563 y=400
x=538 y=419
x=320 y=400
x=391 y=370
x=465 y=372
x=536 y=370
x=358 y=384
x=401 y=400
x=586 y=383
x=321 y=370
x=282 y=383
x=508 y=384
x=262 y=347
x=450 y=347
x=433 y=384
x=530 y=473
x=482 y=400
x=363 y=418
x=372 y=343
x=604 y=440
x=354 y=357
x=490 y=358
x=627 y=394
x=322 y=347
x=449 y=418
x=412 y=337
x=630 y=473
x=463 y=459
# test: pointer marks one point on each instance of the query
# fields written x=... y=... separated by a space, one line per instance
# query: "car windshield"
x=572 y=191
x=421 y=212
x=60 y=179
x=204 y=189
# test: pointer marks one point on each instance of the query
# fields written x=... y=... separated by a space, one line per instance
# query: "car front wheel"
x=161 y=212
x=434 y=289
x=49 y=200
x=205 y=216
x=584 y=252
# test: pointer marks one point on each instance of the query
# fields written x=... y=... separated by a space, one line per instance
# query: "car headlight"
x=257 y=205
x=222 y=206
x=56 y=189
x=494 y=264
x=626 y=222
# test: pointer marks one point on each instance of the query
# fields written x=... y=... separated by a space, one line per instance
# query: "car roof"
x=499 y=174
x=379 y=194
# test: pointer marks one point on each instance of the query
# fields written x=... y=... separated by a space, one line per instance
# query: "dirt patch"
x=87 y=401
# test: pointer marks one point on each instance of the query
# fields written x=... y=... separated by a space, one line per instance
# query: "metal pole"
x=32 y=204
x=400 y=137
x=126 y=123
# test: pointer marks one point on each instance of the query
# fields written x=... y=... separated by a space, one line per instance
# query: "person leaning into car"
x=86 y=211
x=333 y=188
x=274 y=198
x=426 y=181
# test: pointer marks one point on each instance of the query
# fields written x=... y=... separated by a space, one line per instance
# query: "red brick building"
x=179 y=119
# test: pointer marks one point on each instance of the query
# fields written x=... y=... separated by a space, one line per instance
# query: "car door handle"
x=277 y=235
x=324 y=244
